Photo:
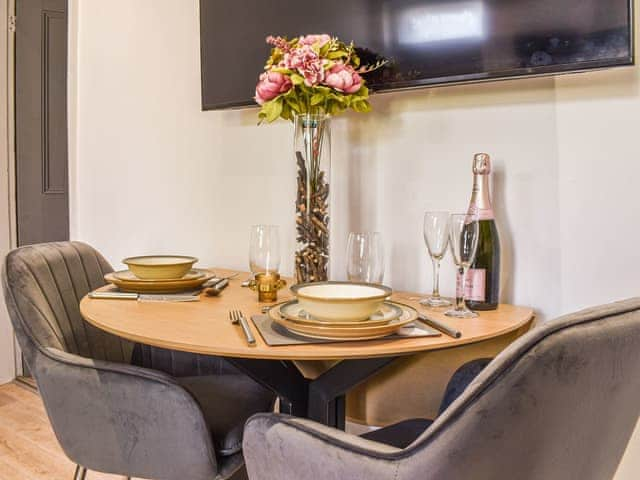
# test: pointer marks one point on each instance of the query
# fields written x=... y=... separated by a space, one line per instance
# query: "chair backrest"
x=47 y=282
x=107 y=415
x=560 y=403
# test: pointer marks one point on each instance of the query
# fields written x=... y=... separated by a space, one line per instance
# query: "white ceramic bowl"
x=160 y=267
x=341 y=301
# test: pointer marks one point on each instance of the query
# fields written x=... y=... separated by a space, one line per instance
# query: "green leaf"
x=339 y=98
x=363 y=92
x=297 y=79
x=286 y=112
x=334 y=108
x=283 y=70
x=361 y=106
x=272 y=109
x=337 y=54
x=318 y=98
x=292 y=101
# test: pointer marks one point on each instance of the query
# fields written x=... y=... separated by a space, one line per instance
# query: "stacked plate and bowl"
x=342 y=311
x=159 y=274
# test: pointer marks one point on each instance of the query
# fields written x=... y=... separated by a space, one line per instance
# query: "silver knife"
x=168 y=298
x=144 y=297
x=446 y=329
x=114 y=295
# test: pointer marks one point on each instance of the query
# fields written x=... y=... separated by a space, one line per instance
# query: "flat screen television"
x=426 y=42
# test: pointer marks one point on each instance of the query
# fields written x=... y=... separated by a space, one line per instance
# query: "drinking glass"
x=365 y=257
x=264 y=249
x=436 y=236
x=463 y=240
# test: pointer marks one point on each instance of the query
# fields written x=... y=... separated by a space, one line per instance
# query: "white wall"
x=7 y=363
x=155 y=174
x=167 y=177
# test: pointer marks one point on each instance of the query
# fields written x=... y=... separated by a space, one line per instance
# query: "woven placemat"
x=276 y=335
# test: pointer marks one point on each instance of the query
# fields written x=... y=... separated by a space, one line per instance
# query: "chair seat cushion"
x=227 y=402
x=399 y=435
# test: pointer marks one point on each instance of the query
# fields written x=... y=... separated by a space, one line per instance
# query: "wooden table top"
x=204 y=326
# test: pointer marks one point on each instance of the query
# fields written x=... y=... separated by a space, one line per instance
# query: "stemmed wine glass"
x=463 y=240
x=436 y=236
x=264 y=249
x=365 y=257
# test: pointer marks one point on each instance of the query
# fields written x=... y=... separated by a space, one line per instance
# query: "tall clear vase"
x=312 y=147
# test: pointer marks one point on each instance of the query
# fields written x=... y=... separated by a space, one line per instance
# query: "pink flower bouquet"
x=311 y=74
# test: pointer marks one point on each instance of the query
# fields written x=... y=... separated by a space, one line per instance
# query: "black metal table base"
x=322 y=399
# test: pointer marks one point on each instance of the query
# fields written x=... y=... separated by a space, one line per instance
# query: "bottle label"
x=482 y=213
x=485 y=214
x=474 y=287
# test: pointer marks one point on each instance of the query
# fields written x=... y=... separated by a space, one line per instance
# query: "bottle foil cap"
x=481 y=164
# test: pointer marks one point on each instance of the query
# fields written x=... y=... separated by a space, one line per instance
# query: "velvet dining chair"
x=559 y=403
x=181 y=419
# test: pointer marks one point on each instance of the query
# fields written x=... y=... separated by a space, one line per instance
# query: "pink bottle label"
x=485 y=214
x=474 y=288
x=482 y=213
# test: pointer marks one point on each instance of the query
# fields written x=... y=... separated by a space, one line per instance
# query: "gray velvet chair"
x=111 y=416
x=560 y=403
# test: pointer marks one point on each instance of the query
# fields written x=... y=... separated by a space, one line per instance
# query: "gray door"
x=41 y=121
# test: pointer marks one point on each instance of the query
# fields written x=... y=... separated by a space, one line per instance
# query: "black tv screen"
x=426 y=42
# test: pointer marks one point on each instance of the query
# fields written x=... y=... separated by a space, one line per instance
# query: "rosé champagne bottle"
x=483 y=277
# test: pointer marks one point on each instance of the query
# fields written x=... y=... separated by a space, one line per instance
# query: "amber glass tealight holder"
x=267 y=285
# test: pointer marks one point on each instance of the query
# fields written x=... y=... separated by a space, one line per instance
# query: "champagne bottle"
x=483 y=277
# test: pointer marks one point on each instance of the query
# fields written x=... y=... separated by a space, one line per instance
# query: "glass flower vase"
x=312 y=148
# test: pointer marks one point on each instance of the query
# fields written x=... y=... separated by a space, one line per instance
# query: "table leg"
x=282 y=378
x=326 y=393
x=322 y=399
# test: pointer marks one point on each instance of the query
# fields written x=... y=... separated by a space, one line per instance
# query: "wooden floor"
x=28 y=448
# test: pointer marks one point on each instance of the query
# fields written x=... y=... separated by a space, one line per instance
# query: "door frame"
x=8 y=11
x=11 y=113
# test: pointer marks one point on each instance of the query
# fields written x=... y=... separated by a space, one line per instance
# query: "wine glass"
x=436 y=236
x=365 y=257
x=463 y=240
x=264 y=249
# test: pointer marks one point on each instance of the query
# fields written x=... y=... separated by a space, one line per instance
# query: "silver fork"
x=236 y=317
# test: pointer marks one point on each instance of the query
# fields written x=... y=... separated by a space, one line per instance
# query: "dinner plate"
x=135 y=285
x=129 y=276
x=360 y=332
x=294 y=312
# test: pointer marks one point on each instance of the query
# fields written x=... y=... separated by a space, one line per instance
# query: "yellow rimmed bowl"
x=341 y=301
x=160 y=267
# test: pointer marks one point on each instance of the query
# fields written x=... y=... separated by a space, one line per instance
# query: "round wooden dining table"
x=204 y=327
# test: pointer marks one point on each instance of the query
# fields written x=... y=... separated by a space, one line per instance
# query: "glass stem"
x=460 y=305
x=436 y=278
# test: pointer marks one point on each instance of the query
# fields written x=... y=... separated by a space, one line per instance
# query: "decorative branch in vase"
x=306 y=80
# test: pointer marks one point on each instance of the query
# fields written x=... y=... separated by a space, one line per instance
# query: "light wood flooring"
x=28 y=447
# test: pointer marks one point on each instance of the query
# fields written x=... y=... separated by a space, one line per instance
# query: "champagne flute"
x=365 y=257
x=436 y=236
x=264 y=249
x=463 y=240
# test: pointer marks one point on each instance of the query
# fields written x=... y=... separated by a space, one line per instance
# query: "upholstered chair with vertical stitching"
x=559 y=403
x=182 y=419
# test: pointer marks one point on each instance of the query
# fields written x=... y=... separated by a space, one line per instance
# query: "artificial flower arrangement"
x=312 y=74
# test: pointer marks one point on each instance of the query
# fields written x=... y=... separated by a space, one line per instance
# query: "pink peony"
x=279 y=42
x=270 y=85
x=307 y=62
x=343 y=78
x=320 y=39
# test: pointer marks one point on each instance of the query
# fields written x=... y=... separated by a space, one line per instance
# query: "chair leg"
x=81 y=472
